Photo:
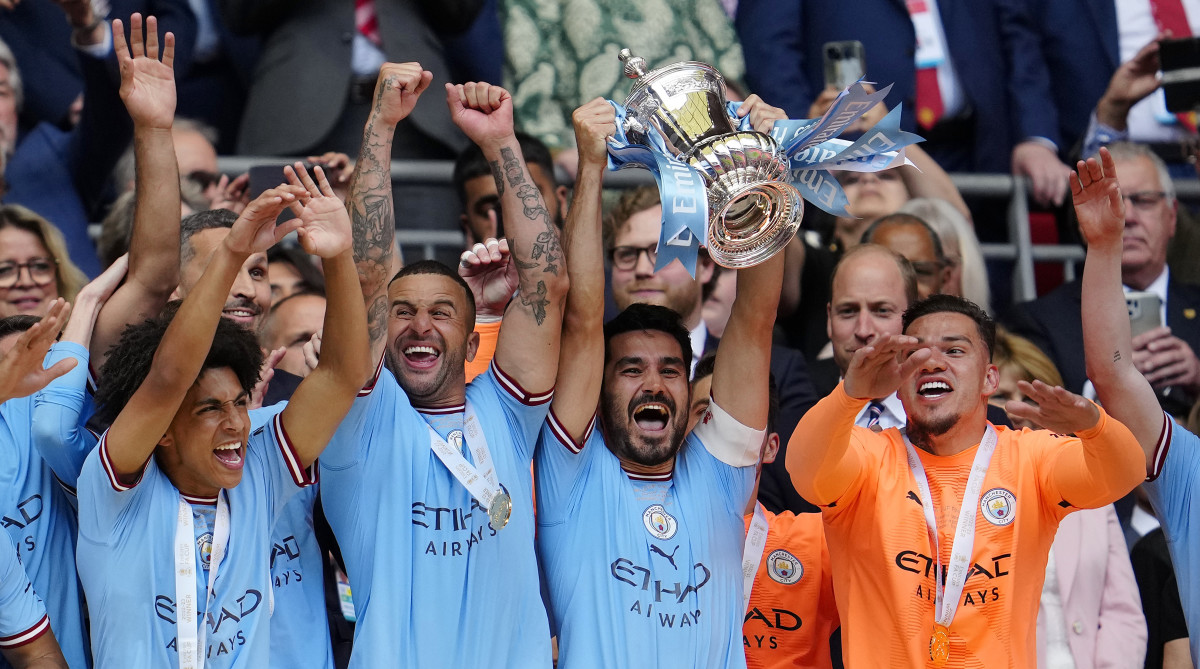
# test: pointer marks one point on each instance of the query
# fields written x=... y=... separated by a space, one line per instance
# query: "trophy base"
x=753 y=222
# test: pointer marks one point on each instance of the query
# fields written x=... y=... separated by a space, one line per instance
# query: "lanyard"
x=756 y=542
x=190 y=637
x=479 y=479
x=955 y=573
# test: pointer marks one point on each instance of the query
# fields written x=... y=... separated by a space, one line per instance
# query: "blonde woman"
x=35 y=268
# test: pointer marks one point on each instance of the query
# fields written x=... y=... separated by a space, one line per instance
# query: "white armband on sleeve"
x=728 y=440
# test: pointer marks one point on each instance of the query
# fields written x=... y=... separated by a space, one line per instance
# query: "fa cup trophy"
x=753 y=209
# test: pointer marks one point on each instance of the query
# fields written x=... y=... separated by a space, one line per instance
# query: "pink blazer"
x=1101 y=604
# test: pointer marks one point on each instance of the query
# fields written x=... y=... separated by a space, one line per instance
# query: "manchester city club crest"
x=999 y=506
x=204 y=545
x=783 y=567
x=658 y=522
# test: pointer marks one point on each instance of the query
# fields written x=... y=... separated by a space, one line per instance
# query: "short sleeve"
x=1177 y=459
x=348 y=446
x=105 y=502
x=560 y=466
x=526 y=410
x=60 y=411
x=729 y=453
x=728 y=440
x=22 y=614
x=276 y=464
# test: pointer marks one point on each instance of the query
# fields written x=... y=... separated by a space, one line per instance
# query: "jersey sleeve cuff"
x=110 y=470
x=728 y=440
x=1159 y=457
x=564 y=436
x=301 y=475
x=510 y=385
x=366 y=390
x=28 y=636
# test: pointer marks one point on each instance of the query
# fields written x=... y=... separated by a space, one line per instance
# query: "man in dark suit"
x=630 y=238
x=316 y=73
x=1166 y=355
x=996 y=117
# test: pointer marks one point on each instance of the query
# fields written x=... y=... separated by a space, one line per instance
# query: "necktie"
x=874 y=411
x=365 y=21
x=929 y=96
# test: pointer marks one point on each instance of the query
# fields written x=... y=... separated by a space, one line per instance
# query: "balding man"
x=914 y=239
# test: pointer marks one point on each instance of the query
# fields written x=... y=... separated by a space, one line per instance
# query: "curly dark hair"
x=129 y=361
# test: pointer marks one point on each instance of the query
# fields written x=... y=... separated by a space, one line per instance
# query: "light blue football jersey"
x=434 y=584
x=1175 y=495
x=60 y=415
x=22 y=614
x=646 y=571
x=299 y=625
x=38 y=515
x=126 y=559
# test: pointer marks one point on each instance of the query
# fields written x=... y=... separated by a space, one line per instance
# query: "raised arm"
x=820 y=458
x=148 y=90
x=21 y=372
x=325 y=395
x=529 y=338
x=745 y=349
x=1107 y=346
x=370 y=205
x=181 y=353
x=581 y=358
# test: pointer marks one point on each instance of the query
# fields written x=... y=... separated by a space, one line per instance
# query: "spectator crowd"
x=243 y=425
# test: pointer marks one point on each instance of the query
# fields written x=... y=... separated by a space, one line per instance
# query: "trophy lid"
x=635 y=66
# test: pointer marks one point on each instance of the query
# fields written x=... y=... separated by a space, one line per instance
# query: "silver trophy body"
x=753 y=211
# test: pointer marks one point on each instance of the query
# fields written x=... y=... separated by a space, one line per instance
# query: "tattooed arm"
x=529 y=337
x=370 y=204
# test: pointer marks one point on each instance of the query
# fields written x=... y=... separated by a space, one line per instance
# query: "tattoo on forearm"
x=537 y=302
x=498 y=177
x=1116 y=356
x=377 y=319
x=546 y=250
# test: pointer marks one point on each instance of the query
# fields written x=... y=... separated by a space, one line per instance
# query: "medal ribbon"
x=946 y=602
x=479 y=479
x=190 y=637
x=752 y=552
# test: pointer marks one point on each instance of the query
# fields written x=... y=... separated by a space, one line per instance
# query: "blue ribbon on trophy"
x=738 y=191
x=681 y=190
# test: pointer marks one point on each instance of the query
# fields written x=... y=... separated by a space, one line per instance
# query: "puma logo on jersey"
x=913 y=496
x=669 y=558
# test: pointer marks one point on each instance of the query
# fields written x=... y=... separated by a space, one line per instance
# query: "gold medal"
x=500 y=510
x=939 y=646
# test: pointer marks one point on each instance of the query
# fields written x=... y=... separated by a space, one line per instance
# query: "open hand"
x=325 y=225
x=762 y=115
x=147 y=84
x=1053 y=408
x=482 y=111
x=233 y=194
x=338 y=169
x=21 y=372
x=397 y=89
x=878 y=370
x=1135 y=79
x=594 y=122
x=489 y=271
x=255 y=231
x=1098 y=202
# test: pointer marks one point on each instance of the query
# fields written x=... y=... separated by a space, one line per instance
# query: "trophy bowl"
x=753 y=211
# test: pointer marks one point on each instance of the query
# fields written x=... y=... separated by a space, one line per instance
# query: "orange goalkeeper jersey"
x=883 y=569
x=792 y=612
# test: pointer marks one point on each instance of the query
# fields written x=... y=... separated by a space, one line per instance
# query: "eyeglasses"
x=203 y=178
x=41 y=271
x=626 y=257
x=1147 y=199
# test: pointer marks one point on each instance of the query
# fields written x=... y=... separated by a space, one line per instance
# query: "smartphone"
x=1144 y=311
x=845 y=63
x=267 y=176
x=1180 y=63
